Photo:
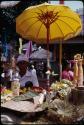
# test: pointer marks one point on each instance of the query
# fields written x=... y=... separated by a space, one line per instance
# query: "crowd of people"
x=27 y=72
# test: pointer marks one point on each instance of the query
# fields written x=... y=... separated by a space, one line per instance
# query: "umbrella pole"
x=60 y=59
x=48 y=57
x=61 y=2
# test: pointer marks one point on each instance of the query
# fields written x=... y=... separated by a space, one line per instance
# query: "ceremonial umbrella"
x=40 y=54
x=47 y=23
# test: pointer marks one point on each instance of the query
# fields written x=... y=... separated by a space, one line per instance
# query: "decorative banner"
x=29 y=49
x=5 y=4
x=6 y=50
x=20 y=43
x=20 y=51
x=13 y=62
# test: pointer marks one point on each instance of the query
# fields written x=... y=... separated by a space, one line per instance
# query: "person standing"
x=67 y=73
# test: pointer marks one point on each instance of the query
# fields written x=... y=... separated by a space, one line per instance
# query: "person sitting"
x=67 y=72
x=28 y=84
x=25 y=74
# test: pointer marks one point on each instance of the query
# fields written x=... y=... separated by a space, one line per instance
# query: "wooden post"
x=75 y=73
x=54 y=51
x=60 y=59
x=60 y=54
x=48 y=56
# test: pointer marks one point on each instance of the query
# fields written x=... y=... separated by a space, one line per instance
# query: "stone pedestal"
x=77 y=95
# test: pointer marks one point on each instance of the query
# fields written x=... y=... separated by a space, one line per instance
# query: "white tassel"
x=42 y=96
x=41 y=99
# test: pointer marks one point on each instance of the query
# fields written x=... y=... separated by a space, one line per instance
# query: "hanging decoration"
x=20 y=43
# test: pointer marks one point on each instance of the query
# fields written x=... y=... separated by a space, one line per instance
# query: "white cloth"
x=33 y=71
x=22 y=57
x=3 y=75
x=29 y=76
x=3 y=58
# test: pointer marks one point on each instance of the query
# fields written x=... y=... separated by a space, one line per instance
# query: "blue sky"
x=72 y=4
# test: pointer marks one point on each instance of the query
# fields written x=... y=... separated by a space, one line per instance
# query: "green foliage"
x=9 y=14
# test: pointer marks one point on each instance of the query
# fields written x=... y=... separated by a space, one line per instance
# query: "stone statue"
x=78 y=70
x=80 y=73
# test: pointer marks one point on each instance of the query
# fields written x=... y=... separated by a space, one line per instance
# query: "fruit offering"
x=62 y=88
x=65 y=81
x=6 y=94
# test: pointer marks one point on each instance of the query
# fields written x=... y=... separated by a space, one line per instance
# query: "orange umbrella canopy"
x=63 y=23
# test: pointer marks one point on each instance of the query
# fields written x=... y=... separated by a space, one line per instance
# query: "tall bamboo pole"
x=60 y=50
x=60 y=59
x=48 y=56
